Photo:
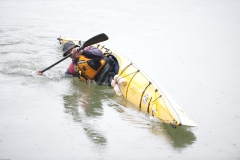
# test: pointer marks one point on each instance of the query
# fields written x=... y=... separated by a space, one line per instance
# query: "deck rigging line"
x=131 y=80
x=125 y=68
x=164 y=103
x=157 y=97
x=149 y=104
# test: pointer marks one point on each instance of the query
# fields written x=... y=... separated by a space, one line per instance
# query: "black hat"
x=68 y=46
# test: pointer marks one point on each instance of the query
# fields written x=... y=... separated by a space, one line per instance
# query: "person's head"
x=67 y=47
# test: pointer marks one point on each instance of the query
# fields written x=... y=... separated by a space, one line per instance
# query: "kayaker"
x=89 y=64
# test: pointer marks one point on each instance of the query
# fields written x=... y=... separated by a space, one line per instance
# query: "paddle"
x=91 y=41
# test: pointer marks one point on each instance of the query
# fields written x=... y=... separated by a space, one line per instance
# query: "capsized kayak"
x=141 y=90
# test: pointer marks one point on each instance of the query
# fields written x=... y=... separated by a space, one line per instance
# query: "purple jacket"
x=92 y=52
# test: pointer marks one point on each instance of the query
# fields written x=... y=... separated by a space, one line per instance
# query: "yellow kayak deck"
x=142 y=91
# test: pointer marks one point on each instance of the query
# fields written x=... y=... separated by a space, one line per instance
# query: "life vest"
x=87 y=68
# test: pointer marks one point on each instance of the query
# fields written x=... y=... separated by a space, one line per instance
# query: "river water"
x=190 y=47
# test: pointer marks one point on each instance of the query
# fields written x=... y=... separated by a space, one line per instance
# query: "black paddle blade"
x=96 y=39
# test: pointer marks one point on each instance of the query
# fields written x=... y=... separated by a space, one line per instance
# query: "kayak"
x=141 y=90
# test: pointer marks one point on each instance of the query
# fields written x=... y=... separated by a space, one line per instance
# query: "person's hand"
x=76 y=53
x=39 y=73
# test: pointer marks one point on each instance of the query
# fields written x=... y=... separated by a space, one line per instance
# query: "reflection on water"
x=181 y=137
x=84 y=104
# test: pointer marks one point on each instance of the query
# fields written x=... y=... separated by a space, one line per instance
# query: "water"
x=190 y=48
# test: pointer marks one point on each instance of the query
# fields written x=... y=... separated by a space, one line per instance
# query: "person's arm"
x=70 y=70
x=90 y=52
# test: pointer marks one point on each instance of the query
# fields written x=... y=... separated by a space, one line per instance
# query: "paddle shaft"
x=55 y=63
x=91 y=41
